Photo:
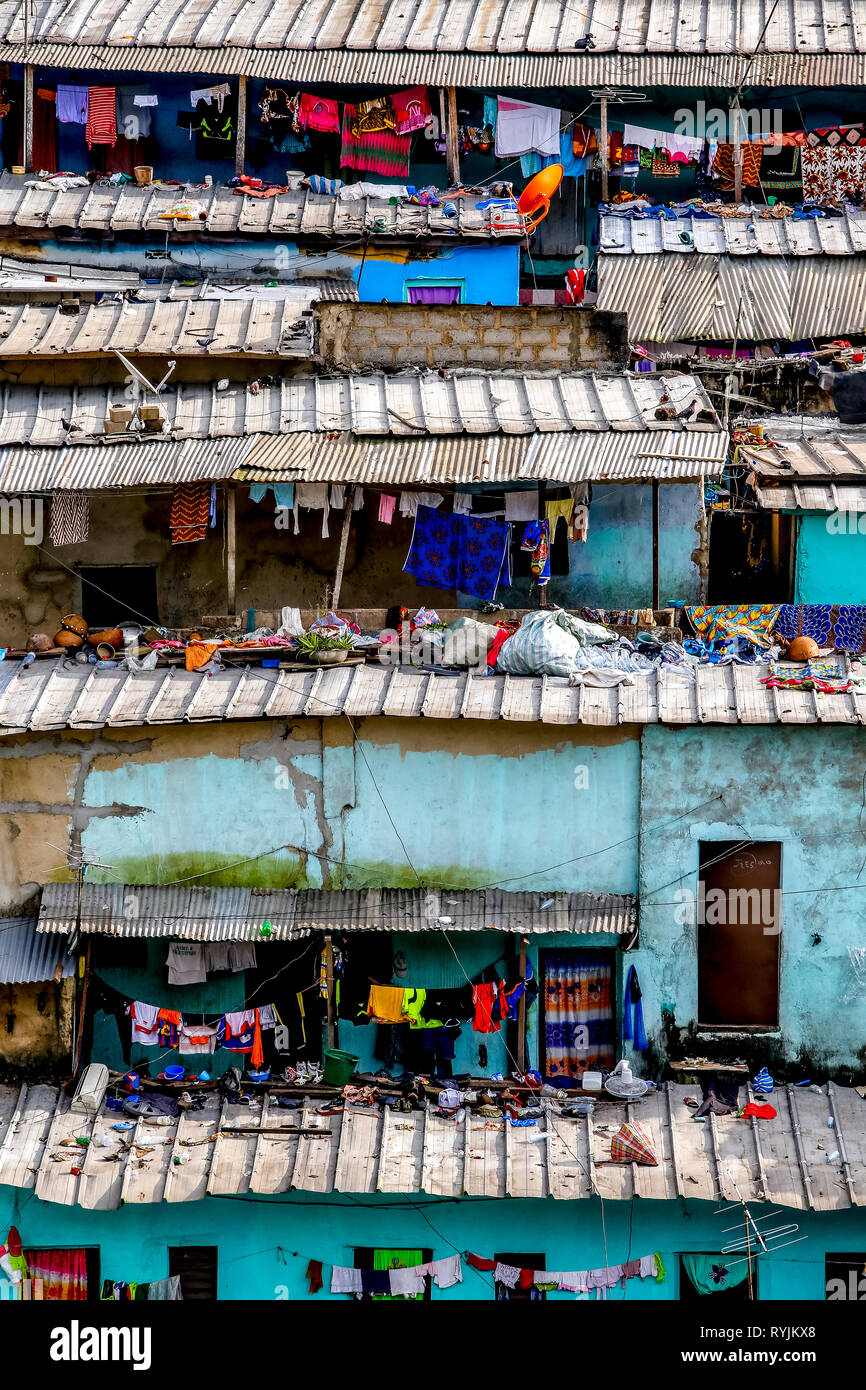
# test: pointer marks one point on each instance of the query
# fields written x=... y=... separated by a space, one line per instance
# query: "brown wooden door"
x=739 y=924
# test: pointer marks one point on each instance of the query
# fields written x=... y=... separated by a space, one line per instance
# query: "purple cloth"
x=73 y=104
x=434 y=294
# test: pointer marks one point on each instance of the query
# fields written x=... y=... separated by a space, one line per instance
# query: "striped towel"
x=70 y=517
x=377 y=152
x=190 y=512
x=101 y=116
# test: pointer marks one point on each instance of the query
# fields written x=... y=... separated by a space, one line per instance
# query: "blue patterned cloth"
x=451 y=551
x=838 y=625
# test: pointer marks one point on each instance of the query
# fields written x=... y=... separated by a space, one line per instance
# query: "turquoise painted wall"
x=134 y=1241
x=798 y=785
x=613 y=568
x=830 y=560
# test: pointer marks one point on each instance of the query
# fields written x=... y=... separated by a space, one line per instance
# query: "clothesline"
x=570 y=1281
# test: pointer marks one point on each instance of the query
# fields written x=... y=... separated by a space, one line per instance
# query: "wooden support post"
x=241 y=139
x=604 y=152
x=231 y=548
x=655 y=598
x=344 y=544
x=27 y=153
x=448 y=109
x=332 y=1010
x=738 y=153
x=521 y=1013
x=775 y=542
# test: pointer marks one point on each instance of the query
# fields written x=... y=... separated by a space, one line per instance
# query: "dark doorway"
x=739 y=925
x=197 y=1267
x=750 y=557
x=115 y=594
x=503 y=1292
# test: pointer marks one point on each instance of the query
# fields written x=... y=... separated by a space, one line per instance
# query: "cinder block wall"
x=530 y=338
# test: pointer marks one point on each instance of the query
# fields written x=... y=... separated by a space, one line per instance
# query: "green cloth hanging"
x=713 y=1273
x=396 y=1259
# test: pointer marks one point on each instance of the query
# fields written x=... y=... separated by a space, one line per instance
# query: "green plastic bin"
x=339 y=1066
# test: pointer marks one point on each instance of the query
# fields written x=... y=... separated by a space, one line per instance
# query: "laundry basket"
x=339 y=1066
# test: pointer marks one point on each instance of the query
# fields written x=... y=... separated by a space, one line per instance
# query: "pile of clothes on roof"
x=801 y=645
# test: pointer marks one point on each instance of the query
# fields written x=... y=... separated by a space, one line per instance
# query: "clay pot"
x=65 y=638
x=802 y=649
x=40 y=642
x=105 y=651
x=111 y=636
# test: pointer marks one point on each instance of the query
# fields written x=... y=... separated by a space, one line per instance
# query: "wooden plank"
x=193 y=1142
x=358 y=1155
x=56 y=1181
x=401 y=1160
x=234 y=1152
x=484 y=1165
x=316 y=1160
x=274 y=1159
x=568 y=1150
x=444 y=1155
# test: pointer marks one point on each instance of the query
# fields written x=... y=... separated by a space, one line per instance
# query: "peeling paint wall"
x=798 y=785
x=36 y=1029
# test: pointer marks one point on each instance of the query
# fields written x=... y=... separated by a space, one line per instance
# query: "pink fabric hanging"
x=386 y=508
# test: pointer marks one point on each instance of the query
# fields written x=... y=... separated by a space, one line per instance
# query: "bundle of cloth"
x=556 y=643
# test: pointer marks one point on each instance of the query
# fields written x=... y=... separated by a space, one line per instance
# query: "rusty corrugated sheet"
x=26 y=957
x=238 y=914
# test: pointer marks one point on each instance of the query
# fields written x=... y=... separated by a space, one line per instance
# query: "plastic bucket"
x=339 y=1066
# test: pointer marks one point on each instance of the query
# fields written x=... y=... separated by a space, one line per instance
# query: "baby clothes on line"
x=318 y=113
x=144 y=1023
x=186 y=963
x=230 y=955
x=387 y=503
x=72 y=104
x=506 y=1274
x=344 y=1279
x=522 y=505
x=462 y=504
x=217 y=93
x=522 y=126
x=411 y=501
x=556 y=507
x=197 y=1039
x=314 y=496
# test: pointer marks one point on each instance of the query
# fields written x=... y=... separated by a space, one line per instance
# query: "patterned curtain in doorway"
x=579 y=1033
x=63 y=1272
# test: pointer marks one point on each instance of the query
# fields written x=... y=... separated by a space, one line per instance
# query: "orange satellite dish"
x=534 y=201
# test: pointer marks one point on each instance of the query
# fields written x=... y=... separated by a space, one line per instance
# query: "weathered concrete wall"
x=798 y=785
x=36 y=1029
x=459 y=335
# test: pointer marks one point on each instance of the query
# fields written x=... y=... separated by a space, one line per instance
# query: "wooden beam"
x=344 y=544
x=604 y=152
x=738 y=154
x=231 y=548
x=241 y=140
x=521 y=1012
x=656 y=596
x=27 y=153
x=329 y=976
x=449 y=122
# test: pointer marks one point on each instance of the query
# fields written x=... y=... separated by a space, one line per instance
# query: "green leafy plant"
x=310 y=642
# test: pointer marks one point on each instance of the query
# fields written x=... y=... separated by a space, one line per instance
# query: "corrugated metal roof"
x=145 y=462
x=298 y=213
x=670 y=297
x=815 y=449
x=197 y=327
x=753 y=234
x=364 y=1149
x=55 y=694
x=237 y=914
x=615 y=456
x=449 y=27
x=814 y=498
x=26 y=957
x=503 y=70
x=473 y=403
